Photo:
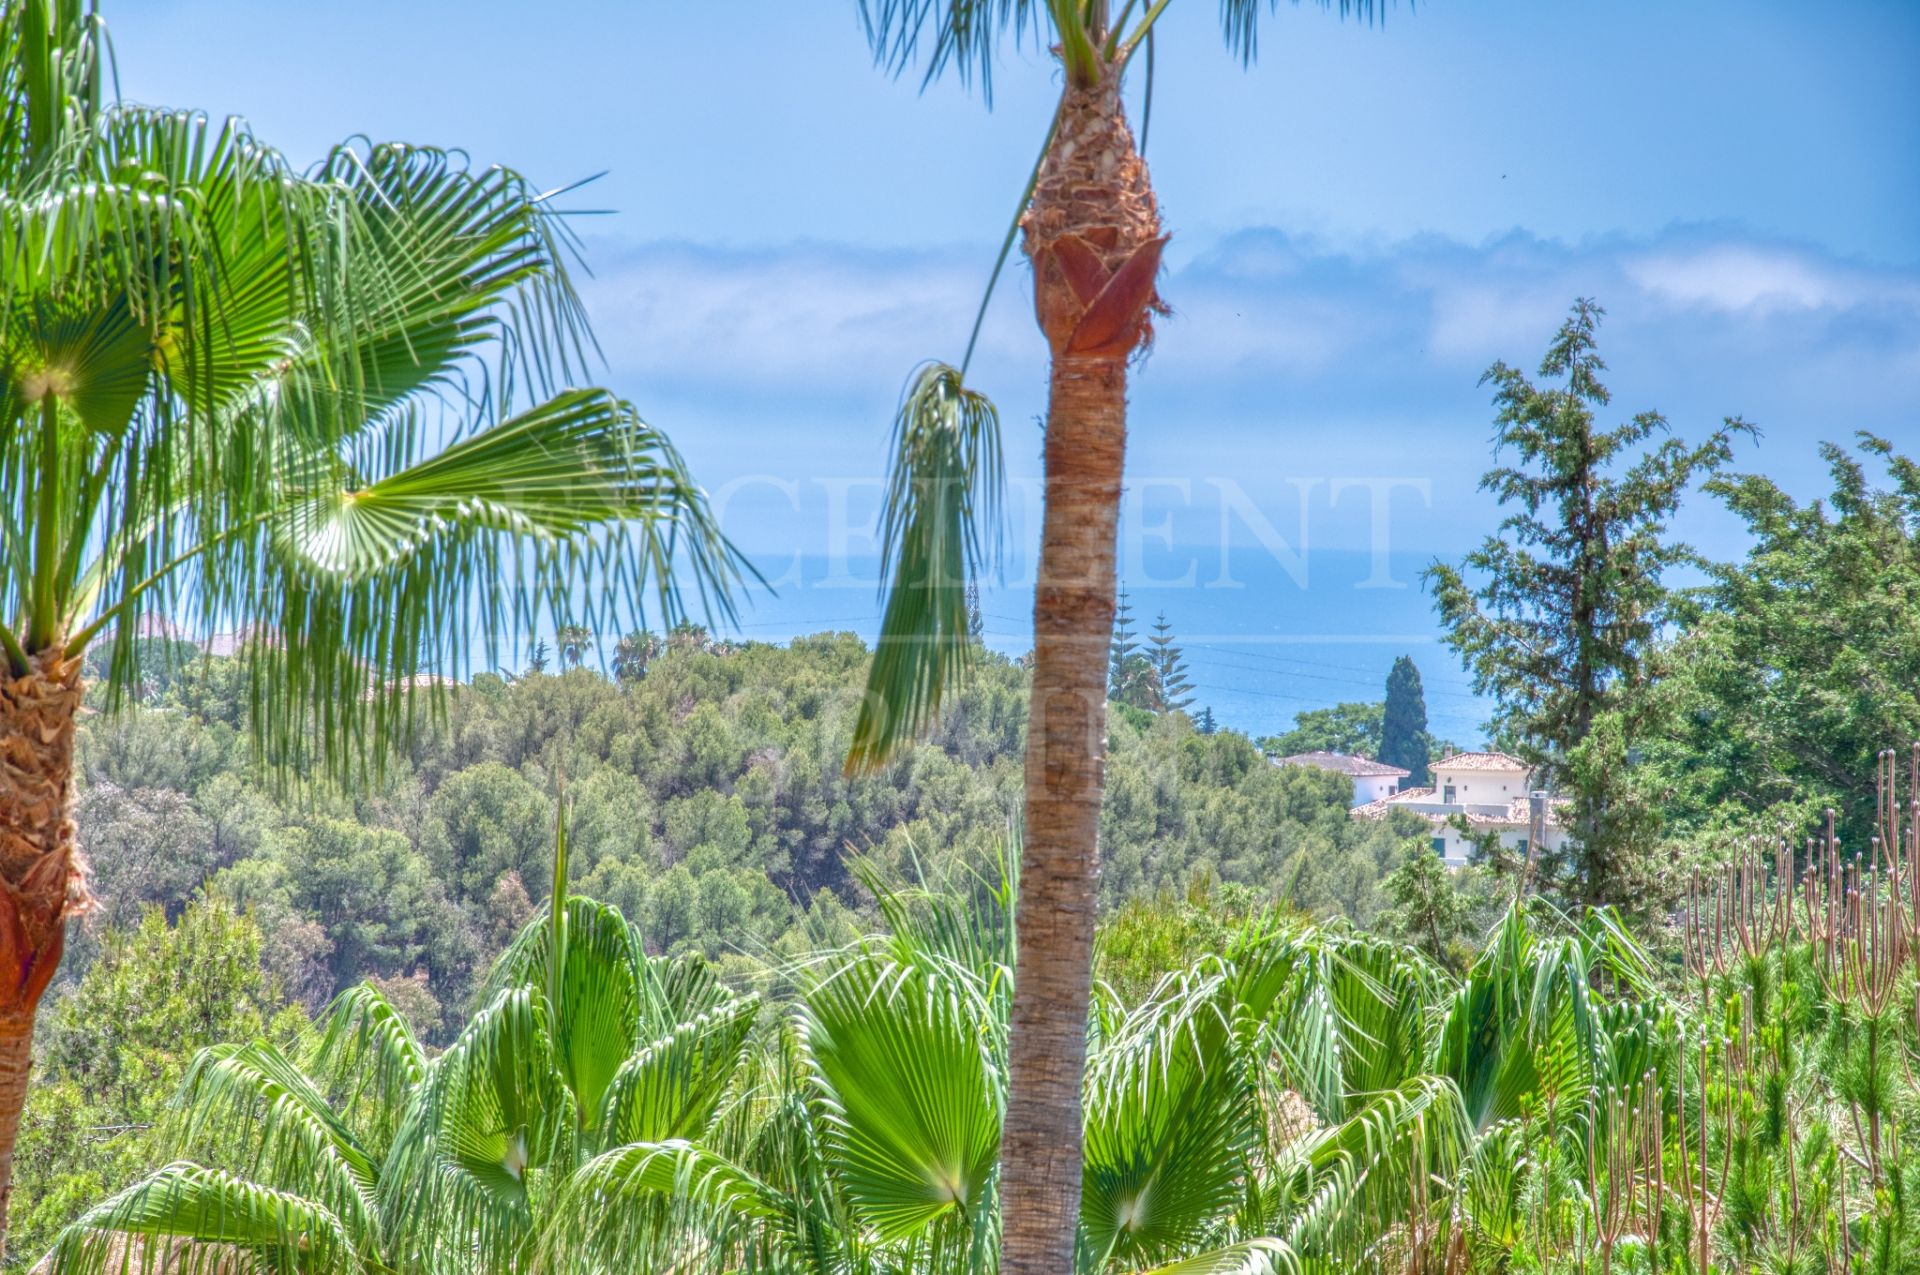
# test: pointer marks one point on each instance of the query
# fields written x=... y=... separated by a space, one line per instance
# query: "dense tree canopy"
x=1352 y=728
x=1801 y=661
x=709 y=805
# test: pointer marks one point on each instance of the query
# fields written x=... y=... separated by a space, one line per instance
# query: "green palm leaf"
x=263 y=368
x=656 y=1206
x=194 y=1221
x=1522 y=1024
x=369 y=1060
x=1250 y=1257
x=493 y=1109
x=1344 y=1015
x=597 y=1025
x=938 y=528
x=671 y=1088
x=253 y=1098
x=1170 y=1125
x=92 y=353
x=908 y=1095
x=1340 y=1188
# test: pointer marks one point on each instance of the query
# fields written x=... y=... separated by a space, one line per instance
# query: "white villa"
x=1489 y=791
x=1372 y=780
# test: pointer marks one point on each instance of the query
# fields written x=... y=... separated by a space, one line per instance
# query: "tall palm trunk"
x=42 y=880
x=1093 y=236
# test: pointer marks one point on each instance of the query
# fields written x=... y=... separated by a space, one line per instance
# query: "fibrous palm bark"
x=1093 y=236
x=42 y=880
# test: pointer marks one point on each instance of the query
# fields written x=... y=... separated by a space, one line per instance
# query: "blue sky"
x=1362 y=223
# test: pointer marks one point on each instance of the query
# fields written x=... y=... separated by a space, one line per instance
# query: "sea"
x=1265 y=635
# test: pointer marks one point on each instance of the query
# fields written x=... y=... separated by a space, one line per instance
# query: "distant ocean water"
x=1263 y=638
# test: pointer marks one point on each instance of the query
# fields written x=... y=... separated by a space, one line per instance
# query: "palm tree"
x=330 y=411
x=632 y=654
x=575 y=642
x=1091 y=229
x=373 y=1157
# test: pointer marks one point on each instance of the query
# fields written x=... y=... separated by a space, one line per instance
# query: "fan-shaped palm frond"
x=492 y=1112
x=909 y=1095
x=671 y=1087
x=1171 y=1125
x=1344 y=1015
x=1337 y=1191
x=962 y=918
x=339 y=412
x=648 y=1205
x=1240 y=20
x=958 y=33
x=1250 y=1257
x=596 y=1020
x=253 y=1096
x=1522 y=1025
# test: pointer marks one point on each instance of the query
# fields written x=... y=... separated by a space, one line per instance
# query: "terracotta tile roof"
x=1378 y=809
x=1481 y=761
x=1344 y=763
x=229 y=644
x=1517 y=812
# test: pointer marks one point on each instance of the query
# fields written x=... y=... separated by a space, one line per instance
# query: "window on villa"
x=1448 y=795
x=1440 y=845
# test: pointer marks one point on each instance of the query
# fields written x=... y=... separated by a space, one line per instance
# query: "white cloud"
x=1741 y=277
x=807 y=318
x=1697 y=317
x=1481 y=322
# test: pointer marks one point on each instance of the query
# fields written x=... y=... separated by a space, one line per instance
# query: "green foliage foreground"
x=1309 y=1097
x=1305 y=1097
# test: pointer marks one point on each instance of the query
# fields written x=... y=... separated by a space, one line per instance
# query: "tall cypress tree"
x=1568 y=602
x=1169 y=668
x=1403 y=725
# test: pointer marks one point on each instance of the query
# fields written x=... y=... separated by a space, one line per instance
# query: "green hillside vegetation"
x=710 y=805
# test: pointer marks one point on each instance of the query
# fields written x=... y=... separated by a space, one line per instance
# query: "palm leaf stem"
x=1146 y=105
x=46 y=547
x=1141 y=32
x=1119 y=25
x=1006 y=244
x=16 y=654
x=1078 y=53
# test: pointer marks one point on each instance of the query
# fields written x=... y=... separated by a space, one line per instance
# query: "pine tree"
x=1130 y=678
x=1205 y=723
x=1569 y=603
x=1174 y=690
x=1403 y=725
x=537 y=658
x=1125 y=647
x=976 y=627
